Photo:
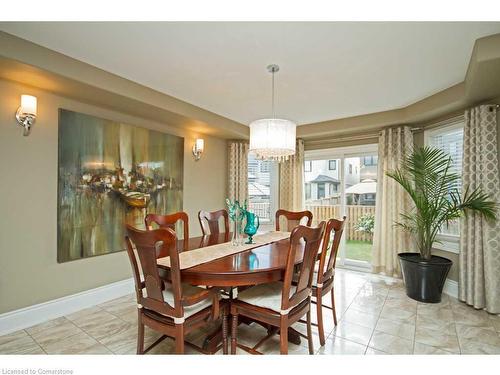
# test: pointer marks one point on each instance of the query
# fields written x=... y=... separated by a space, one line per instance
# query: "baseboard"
x=29 y=316
x=451 y=288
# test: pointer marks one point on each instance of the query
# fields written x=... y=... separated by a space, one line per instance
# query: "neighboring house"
x=322 y=187
x=322 y=179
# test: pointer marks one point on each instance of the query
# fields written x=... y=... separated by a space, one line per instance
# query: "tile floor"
x=375 y=317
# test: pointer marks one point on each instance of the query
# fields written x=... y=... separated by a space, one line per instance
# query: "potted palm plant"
x=428 y=178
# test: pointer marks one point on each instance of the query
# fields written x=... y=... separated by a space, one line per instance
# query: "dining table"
x=262 y=262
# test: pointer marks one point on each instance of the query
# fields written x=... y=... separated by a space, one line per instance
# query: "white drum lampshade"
x=273 y=139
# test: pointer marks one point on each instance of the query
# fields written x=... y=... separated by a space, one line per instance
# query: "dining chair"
x=293 y=219
x=173 y=309
x=170 y=221
x=280 y=304
x=209 y=221
x=323 y=278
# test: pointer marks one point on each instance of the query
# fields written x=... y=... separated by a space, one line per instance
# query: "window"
x=350 y=168
x=262 y=187
x=332 y=165
x=308 y=166
x=369 y=161
x=449 y=139
x=321 y=190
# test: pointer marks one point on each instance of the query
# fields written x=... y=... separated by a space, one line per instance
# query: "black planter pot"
x=424 y=279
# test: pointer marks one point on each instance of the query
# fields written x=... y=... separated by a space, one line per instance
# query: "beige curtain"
x=388 y=240
x=238 y=170
x=292 y=180
x=479 y=259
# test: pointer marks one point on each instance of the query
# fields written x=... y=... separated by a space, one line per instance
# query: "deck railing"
x=325 y=212
x=262 y=209
x=353 y=214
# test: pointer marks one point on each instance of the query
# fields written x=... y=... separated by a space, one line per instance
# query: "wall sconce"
x=198 y=147
x=26 y=113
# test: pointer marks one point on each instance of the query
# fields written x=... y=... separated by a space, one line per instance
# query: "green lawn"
x=358 y=250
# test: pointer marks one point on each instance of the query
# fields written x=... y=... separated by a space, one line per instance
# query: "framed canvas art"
x=111 y=174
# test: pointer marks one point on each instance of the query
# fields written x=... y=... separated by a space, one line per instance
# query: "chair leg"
x=319 y=314
x=140 y=336
x=310 y=343
x=179 y=338
x=224 y=331
x=234 y=332
x=333 y=307
x=284 y=335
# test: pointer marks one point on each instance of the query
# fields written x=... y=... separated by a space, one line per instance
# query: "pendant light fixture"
x=273 y=138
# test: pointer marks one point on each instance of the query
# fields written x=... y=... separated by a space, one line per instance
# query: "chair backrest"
x=330 y=249
x=310 y=239
x=293 y=219
x=151 y=245
x=209 y=221
x=169 y=221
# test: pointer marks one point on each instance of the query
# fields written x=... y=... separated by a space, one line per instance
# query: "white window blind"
x=450 y=140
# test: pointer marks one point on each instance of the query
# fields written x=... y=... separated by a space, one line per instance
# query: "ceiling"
x=328 y=70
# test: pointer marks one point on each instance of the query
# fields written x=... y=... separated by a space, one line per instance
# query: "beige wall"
x=28 y=195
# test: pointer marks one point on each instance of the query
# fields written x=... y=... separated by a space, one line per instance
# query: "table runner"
x=206 y=254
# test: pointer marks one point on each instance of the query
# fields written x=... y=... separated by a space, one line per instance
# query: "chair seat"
x=187 y=290
x=265 y=295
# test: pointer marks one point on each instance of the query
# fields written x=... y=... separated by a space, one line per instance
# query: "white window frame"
x=449 y=242
x=343 y=153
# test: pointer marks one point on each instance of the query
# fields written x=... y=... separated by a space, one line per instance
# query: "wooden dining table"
x=263 y=263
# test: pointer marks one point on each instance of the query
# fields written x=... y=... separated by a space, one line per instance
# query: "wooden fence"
x=353 y=214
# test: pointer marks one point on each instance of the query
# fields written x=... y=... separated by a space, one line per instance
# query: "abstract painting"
x=111 y=174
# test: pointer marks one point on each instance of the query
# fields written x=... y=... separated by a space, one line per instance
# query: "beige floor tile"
x=19 y=342
x=338 y=345
x=107 y=328
x=446 y=326
x=56 y=333
x=360 y=318
x=473 y=347
x=478 y=334
x=125 y=342
x=438 y=339
x=272 y=346
x=130 y=317
x=390 y=344
x=371 y=304
x=399 y=315
x=91 y=318
x=495 y=321
x=46 y=325
x=403 y=330
x=5 y=339
x=77 y=344
x=469 y=316
x=371 y=351
x=443 y=313
x=423 y=349
x=406 y=304
x=353 y=332
x=374 y=289
x=120 y=306
x=84 y=314
x=397 y=293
